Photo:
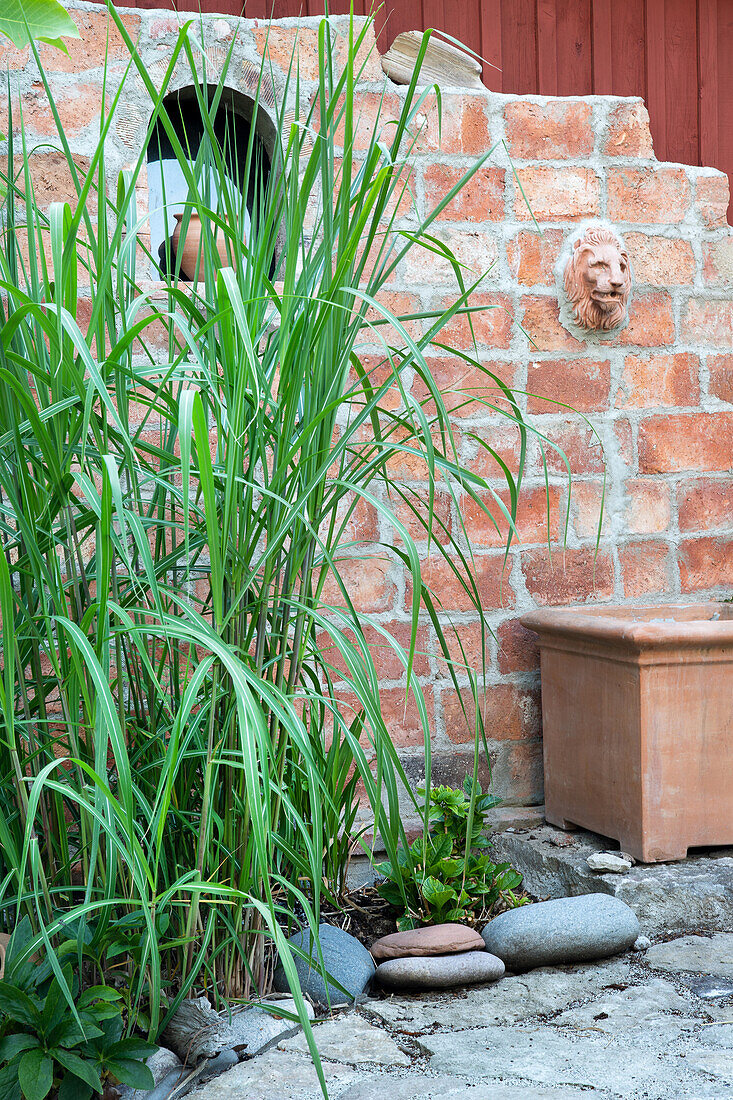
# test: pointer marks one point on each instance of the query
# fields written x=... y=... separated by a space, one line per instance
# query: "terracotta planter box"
x=637 y=710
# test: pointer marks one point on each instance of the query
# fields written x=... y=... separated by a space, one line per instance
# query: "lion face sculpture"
x=598 y=280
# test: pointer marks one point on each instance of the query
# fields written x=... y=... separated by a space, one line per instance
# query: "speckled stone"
x=345 y=959
x=566 y=930
x=439 y=971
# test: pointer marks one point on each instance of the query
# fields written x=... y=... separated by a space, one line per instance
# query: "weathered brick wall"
x=659 y=394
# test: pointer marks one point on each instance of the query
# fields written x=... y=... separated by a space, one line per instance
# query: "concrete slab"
x=551 y=1056
x=538 y=993
x=692 y=895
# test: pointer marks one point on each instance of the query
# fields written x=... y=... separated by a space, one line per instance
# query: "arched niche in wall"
x=168 y=189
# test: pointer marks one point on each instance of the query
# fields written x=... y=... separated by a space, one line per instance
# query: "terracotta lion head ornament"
x=598 y=280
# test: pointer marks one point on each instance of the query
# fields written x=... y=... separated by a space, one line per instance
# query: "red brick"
x=406 y=515
x=517 y=772
x=580 y=445
x=646 y=568
x=717 y=262
x=509 y=713
x=479 y=200
x=720 y=369
x=686 y=441
x=492 y=324
x=367 y=582
x=363 y=523
x=78 y=106
x=705 y=504
x=10 y=58
x=367 y=65
x=402 y=717
x=504 y=439
x=712 y=196
x=628 y=132
x=410 y=464
x=588 y=506
x=88 y=51
x=371 y=110
x=651 y=323
x=659 y=261
x=706 y=563
x=708 y=322
x=570 y=576
x=518 y=649
x=659 y=380
x=541 y=322
x=648 y=508
x=531 y=520
x=163 y=24
x=554 y=129
x=557 y=194
x=659 y=195
x=463 y=125
x=466 y=389
x=379 y=370
x=51 y=178
x=477 y=252
x=387 y=663
x=532 y=256
x=466 y=648
x=492 y=582
x=398 y=205
x=400 y=304
x=582 y=384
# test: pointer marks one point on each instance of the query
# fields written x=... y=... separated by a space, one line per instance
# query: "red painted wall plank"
x=602 y=46
x=707 y=74
x=627 y=47
x=681 y=87
x=573 y=46
x=655 y=93
x=519 y=46
x=491 y=16
x=725 y=88
x=547 y=18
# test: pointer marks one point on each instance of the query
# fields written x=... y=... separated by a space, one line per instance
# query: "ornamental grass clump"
x=174 y=515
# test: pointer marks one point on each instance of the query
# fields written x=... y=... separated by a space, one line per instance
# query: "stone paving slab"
x=278 y=1075
x=692 y=894
x=353 y=1040
x=642 y=1014
x=519 y=997
x=694 y=954
x=600 y=1031
x=551 y=1056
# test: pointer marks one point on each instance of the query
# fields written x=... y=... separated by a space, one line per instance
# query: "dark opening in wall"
x=245 y=185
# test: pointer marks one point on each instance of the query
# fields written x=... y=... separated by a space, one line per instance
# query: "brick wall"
x=657 y=398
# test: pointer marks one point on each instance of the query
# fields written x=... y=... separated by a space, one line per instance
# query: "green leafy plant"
x=447 y=873
x=45 y=20
x=190 y=707
x=54 y=1036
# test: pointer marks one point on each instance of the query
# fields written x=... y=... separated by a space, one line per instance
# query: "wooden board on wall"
x=675 y=53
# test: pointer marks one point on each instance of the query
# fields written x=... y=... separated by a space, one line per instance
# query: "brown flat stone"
x=436 y=939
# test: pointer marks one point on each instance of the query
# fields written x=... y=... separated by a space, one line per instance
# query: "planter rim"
x=653 y=626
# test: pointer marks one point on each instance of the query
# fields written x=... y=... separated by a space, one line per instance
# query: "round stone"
x=436 y=939
x=346 y=961
x=439 y=971
x=565 y=930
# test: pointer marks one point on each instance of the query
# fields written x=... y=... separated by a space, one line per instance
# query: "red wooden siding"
x=675 y=53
